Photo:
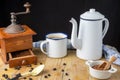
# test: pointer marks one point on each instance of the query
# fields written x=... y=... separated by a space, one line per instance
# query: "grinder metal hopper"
x=14 y=27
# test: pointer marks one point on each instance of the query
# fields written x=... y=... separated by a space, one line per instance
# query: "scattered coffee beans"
x=46 y=76
x=5 y=76
x=31 y=69
x=18 y=75
x=17 y=67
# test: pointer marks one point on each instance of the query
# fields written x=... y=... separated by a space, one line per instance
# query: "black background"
x=53 y=16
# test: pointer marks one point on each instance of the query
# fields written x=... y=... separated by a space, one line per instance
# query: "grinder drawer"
x=20 y=58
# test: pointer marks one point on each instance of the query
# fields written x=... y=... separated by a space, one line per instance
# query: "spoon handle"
x=21 y=75
x=16 y=77
x=26 y=74
x=111 y=60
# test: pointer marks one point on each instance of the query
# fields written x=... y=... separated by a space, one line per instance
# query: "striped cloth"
x=108 y=50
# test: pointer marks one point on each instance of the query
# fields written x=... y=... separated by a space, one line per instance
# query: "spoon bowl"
x=34 y=72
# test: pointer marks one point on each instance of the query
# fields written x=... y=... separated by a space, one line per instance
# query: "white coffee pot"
x=90 y=35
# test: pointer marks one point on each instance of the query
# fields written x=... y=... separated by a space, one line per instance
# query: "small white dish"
x=100 y=74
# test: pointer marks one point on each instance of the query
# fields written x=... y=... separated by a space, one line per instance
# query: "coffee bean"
x=17 y=67
x=24 y=78
x=5 y=69
x=18 y=75
x=45 y=76
x=64 y=64
x=6 y=76
x=41 y=63
x=3 y=75
x=54 y=69
x=29 y=65
x=49 y=74
x=30 y=70
x=30 y=79
x=66 y=74
x=62 y=70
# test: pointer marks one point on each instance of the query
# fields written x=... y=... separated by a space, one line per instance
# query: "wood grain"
x=15 y=42
x=67 y=68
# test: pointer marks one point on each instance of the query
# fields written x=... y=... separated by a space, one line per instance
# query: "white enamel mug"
x=56 y=45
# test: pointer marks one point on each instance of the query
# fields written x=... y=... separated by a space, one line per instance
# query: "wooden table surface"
x=67 y=68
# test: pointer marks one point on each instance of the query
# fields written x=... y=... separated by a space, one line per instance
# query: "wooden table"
x=67 y=68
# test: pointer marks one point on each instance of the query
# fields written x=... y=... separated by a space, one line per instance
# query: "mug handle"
x=41 y=46
x=106 y=27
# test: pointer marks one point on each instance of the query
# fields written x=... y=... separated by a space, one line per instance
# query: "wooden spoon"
x=111 y=60
x=106 y=64
x=101 y=66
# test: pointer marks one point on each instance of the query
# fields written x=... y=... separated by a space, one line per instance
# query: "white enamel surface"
x=90 y=37
x=92 y=14
x=56 y=48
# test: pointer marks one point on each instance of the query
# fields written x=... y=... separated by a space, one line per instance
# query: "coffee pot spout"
x=76 y=43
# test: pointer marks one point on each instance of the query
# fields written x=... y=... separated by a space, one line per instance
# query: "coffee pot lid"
x=92 y=14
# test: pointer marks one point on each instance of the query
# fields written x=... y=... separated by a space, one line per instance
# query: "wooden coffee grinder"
x=16 y=42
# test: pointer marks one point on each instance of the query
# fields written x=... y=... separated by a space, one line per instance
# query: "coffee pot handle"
x=42 y=46
x=106 y=27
